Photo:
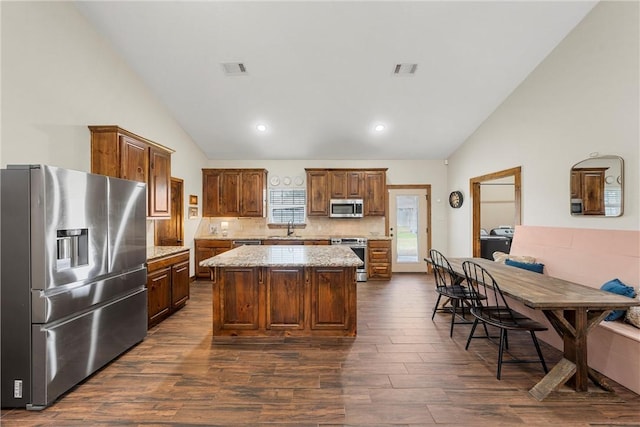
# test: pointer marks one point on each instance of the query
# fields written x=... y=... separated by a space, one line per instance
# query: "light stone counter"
x=285 y=256
x=154 y=252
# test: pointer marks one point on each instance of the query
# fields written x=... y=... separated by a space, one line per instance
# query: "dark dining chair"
x=489 y=306
x=449 y=285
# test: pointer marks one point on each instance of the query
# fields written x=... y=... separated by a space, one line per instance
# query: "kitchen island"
x=284 y=291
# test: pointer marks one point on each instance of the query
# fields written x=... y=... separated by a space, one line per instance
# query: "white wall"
x=58 y=76
x=497 y=206
x=582 y=98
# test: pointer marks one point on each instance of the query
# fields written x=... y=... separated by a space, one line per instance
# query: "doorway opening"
x=409 y=223
x=513 y=176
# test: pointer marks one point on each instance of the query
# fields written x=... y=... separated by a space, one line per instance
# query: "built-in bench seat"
x=591 y=257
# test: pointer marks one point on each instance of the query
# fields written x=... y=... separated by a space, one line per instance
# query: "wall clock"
x=455 y=199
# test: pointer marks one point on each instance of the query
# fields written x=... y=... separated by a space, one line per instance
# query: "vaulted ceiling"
x=321 y=75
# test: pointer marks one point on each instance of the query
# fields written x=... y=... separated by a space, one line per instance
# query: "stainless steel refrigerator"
x=73 y=278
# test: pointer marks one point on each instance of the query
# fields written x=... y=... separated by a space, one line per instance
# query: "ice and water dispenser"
x=73 y=248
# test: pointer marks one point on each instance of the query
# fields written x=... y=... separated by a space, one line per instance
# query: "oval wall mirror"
x=597 y=187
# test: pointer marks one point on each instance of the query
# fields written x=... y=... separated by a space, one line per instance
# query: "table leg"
x=575 y=349
x=573 y=326
x=557 y=376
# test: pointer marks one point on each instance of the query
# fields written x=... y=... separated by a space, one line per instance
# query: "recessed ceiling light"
x=261 y=127
x=379 y=128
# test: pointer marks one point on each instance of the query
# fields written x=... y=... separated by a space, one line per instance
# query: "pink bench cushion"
x=581 y=255
x=591 y=257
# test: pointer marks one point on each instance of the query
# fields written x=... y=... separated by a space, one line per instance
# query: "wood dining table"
x=572 y=309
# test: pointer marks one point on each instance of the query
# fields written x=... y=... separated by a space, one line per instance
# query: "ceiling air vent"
x=234 y=69
x=405 y=69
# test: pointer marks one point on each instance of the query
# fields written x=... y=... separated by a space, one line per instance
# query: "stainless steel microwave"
x=346 y=208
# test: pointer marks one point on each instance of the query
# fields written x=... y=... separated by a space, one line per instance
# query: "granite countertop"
x=154 y=252
x=285 y=256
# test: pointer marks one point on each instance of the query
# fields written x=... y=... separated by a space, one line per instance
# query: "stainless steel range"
x=359 y=247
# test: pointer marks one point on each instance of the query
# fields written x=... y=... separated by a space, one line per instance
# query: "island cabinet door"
x=238 y=299
x=333 y=299
x=285 y=298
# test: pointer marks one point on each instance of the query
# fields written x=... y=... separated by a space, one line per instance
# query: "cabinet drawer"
x=379 y=271
x=157 y=264
x=380 y=244
x=379 y=254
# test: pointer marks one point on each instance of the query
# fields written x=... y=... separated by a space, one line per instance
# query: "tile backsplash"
x=257 y=227
x=150 y=232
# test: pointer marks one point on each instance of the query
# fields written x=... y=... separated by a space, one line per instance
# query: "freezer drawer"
x=48 y=307
x=68 y=352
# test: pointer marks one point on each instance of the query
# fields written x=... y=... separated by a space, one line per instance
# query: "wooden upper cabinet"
x=346 y=184
x=234 y=192
x=375 y=201
x=134 y=161
x=122 y=154
x=253 y=193
x=211 y=185
x=576 y=185
x=337 y=184
x=355 y=185
x=159 y=183
x=230 y=193
x=587 y=184
x=367 y=184
x=318 y=193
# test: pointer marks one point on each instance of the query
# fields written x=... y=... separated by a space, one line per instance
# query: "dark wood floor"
x=402 y=369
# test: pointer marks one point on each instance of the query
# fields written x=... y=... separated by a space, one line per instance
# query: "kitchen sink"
x=281 y=237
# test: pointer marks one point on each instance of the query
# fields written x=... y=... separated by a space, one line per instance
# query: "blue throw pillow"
x=615 y=286
x=535 y=267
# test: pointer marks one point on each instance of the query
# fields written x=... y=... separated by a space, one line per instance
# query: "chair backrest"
x=442 y=271
x=487 y=299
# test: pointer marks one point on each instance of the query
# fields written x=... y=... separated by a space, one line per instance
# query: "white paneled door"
x=408 y=210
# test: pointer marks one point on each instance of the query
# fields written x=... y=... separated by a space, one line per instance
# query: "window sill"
x=276 y=226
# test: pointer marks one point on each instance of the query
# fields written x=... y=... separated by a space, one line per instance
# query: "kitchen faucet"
x=289 y=228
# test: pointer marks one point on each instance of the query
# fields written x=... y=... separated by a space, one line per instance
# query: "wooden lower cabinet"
x=167 y=286
x=180 y=284
x=206 y=248
x=285 y=301
x=331 y=300
x=379 y=260
x=158 y=295
x=238 y=297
